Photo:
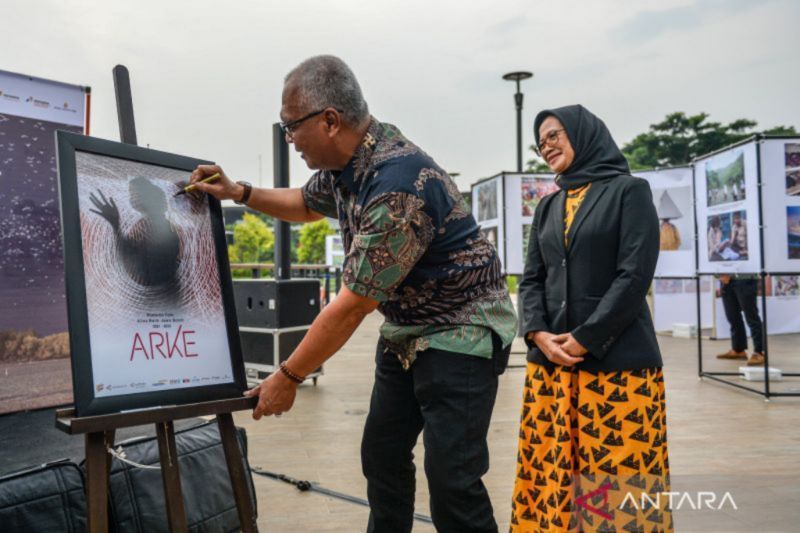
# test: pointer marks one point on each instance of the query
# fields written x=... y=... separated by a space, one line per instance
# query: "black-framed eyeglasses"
x=289 y=127
x=549 y=139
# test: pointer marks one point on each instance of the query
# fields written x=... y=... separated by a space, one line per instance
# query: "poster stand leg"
x=764 y=334
x=100 y=431
x=699 y=331
x=98 y=465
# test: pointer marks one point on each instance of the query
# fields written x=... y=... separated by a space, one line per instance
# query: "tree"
x=680 y=138
x=311 y=246
x=253 y=241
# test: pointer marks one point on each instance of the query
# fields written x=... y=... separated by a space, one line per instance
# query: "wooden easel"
x=100 y=430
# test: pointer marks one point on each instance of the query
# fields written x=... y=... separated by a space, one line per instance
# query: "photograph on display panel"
x=487 y=200
x=674 y=208
x=526 y=239
x=792 y=156
x=785 y=286
x=727 y=237
x=533 y=190
x=668 y=286
x=793 y=231
x=725 y=180
x=151 y=292
x=491 y=235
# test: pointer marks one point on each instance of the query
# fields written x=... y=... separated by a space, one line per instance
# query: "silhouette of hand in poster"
x=150 y=250
x=106 y=208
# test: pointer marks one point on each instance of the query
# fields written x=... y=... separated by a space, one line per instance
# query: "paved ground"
x=721 y=439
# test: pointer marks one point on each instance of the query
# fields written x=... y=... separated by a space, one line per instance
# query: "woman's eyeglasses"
x=550 y=139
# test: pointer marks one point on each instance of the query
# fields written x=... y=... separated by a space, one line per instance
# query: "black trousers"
x=739 y=296
x=448 y=397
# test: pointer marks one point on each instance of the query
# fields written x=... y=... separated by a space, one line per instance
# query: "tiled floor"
x=721 y=439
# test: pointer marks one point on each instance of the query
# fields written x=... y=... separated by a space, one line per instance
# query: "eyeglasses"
x=289 y=127
x=550 y=140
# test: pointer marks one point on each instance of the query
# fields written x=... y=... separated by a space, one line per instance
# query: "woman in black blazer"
x=593 y=428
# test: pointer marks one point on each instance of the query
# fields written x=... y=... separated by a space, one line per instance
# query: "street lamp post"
x=517 y=77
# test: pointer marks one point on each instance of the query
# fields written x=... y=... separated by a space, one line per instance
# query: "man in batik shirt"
x=414 y=252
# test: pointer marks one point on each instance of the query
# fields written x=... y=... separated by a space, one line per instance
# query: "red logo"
x=583 y=501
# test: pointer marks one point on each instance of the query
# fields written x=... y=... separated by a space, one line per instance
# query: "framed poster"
x=149 y=293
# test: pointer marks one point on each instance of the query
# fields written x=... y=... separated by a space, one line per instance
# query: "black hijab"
x=597 y=156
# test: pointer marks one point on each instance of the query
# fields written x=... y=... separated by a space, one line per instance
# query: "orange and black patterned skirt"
x=592 y=452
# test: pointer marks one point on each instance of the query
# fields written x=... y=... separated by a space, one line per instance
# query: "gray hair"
x=326 y=81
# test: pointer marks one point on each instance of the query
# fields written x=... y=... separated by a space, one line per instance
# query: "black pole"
x=699 y=329
x=518 y=97
x=763 y=272
x=764 y=333
x=697 y=275
x=122 y=89
x=283 y=243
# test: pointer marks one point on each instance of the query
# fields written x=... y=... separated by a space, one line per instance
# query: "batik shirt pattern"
x=412 y=244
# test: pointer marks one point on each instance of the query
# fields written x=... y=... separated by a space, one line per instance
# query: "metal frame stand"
x=717 y=376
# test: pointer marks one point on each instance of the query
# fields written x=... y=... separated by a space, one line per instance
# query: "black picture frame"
x=86 y=401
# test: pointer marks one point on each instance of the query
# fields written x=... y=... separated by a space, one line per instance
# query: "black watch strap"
x=248 y=189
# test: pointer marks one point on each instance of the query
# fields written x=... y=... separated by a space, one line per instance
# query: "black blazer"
x=596 y=287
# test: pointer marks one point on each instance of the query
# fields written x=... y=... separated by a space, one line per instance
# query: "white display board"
x=783 y=303
x=780 y=196
x=675 y=302
x=518 y=194
x=726 y=192
x=39 y=99
x=487 y=208
x=334 y=251
x=673 y=199
x=523 y=192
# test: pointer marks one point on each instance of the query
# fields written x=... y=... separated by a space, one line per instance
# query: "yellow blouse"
x=574 y=200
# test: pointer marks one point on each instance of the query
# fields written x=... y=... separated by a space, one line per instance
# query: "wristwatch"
x=248 y=189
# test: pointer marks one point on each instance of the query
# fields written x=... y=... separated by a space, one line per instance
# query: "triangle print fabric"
x=592 y=452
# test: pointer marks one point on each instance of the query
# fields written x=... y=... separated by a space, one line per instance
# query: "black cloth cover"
x=136 y=495
x=46 y=498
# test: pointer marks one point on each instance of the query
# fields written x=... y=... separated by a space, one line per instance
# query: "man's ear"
x=333 y=122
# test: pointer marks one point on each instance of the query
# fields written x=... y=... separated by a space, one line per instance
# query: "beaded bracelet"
x=289 y=374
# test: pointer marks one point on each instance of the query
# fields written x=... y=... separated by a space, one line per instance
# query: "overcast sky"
x=207 y=75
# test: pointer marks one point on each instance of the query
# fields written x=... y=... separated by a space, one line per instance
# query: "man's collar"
x=352 y=175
